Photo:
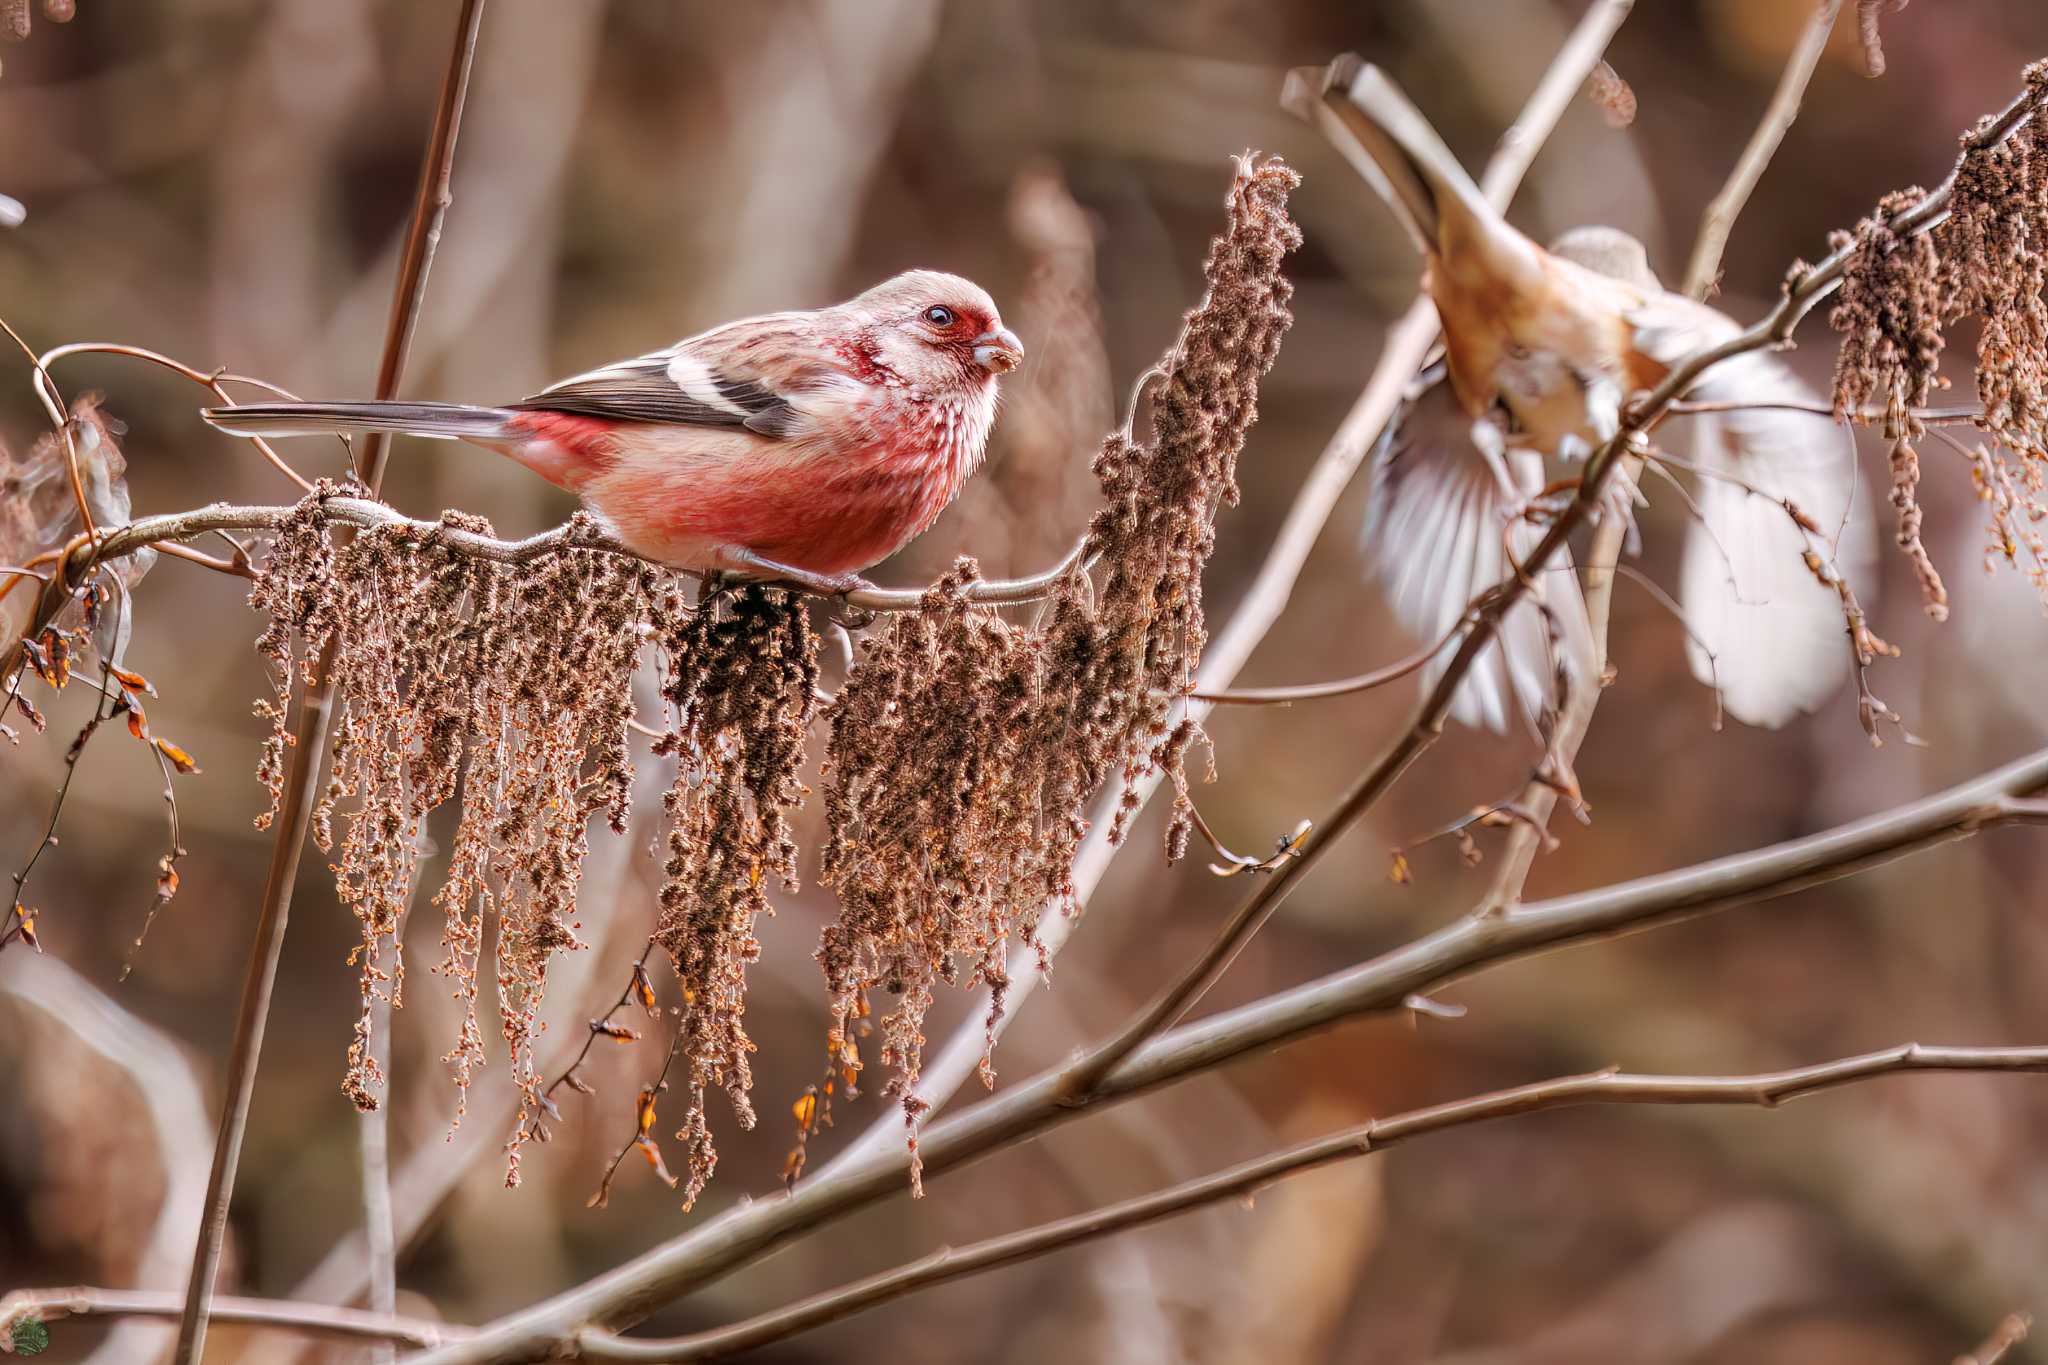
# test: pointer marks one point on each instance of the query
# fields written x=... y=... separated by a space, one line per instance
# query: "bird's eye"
x=938 y=315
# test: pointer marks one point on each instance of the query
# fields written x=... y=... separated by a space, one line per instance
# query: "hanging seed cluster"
x=508 y=685
x=965 y=750
x=740 y=684
x=507 y=688
x=1987 y=261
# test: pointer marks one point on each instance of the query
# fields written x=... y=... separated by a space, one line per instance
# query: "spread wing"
x=1776 y=633
x=745 y=374
x=1437 y=535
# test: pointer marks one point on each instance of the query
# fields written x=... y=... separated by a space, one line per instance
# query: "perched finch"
x=1541 y=348
x=802 y=447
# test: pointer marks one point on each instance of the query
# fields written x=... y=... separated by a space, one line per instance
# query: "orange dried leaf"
x=180 y=760
x=805 y=1109
x=646 y=1109
x=133 y=681
x=652 y=1152
x=618 y=1033
x=60 y=658
x=137 y=721
x=1398 y=871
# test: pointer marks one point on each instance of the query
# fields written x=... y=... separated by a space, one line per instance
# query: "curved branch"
x=1340 y=687
x=313 y=1318
x=210 y=380
x=742 y=1235
x=1767 y=1089
x=368 y=514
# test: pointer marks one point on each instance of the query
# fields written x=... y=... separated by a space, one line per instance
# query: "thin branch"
x=740 y=1236
x=1341 y=687
x=208 y=379
x=60 y=422
x=312 y=1318
x=1767 y=1090
x=2010 y=1332
x=1721 y=214
x=315 y=707
x=640 y=987
x=373 y=1137
x=364 y=513
x=1954 y=415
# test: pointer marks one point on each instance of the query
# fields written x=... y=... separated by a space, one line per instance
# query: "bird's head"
x=938 y=332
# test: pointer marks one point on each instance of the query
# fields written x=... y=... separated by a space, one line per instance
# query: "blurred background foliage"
x=228 y=181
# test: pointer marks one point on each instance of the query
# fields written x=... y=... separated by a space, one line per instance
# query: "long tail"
x=1387 y=139
x=442 y=421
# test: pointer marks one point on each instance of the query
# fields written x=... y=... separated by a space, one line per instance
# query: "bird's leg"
x=1523 y=498
x=739 y=559
x=1620 y=496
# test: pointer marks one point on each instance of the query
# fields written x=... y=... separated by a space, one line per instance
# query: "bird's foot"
x=739 y=562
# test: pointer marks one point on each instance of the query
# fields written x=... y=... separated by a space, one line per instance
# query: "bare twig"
x=1768 y=1090
x=1340 y=687
x=1719 y=219
x=627 y=1292
x=639 y=987
x=373 y=1142
x=315 y=708
x=208 y=379
x=2010 y=1332
x=363 y=513
x=1953 y=415
x=319 y=1319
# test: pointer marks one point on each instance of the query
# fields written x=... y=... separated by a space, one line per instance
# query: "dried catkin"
x=966 y=749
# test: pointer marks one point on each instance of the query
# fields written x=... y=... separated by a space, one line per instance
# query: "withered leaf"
x=180 y=760
x=133 y=681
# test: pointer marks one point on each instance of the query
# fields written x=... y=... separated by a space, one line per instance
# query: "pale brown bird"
x=1541 y=348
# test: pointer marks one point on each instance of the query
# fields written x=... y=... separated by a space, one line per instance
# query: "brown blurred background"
x=227 y=181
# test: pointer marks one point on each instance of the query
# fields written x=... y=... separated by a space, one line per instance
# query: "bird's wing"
x=746 y=374
x=1776 y=633
x=1436 y=535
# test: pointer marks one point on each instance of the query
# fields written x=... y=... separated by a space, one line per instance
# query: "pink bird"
x=802 y=447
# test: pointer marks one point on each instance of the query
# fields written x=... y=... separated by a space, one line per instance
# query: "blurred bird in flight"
x=802 y=447
x=1540 y=350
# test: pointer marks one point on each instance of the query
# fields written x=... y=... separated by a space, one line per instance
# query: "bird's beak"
x=998 y=351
